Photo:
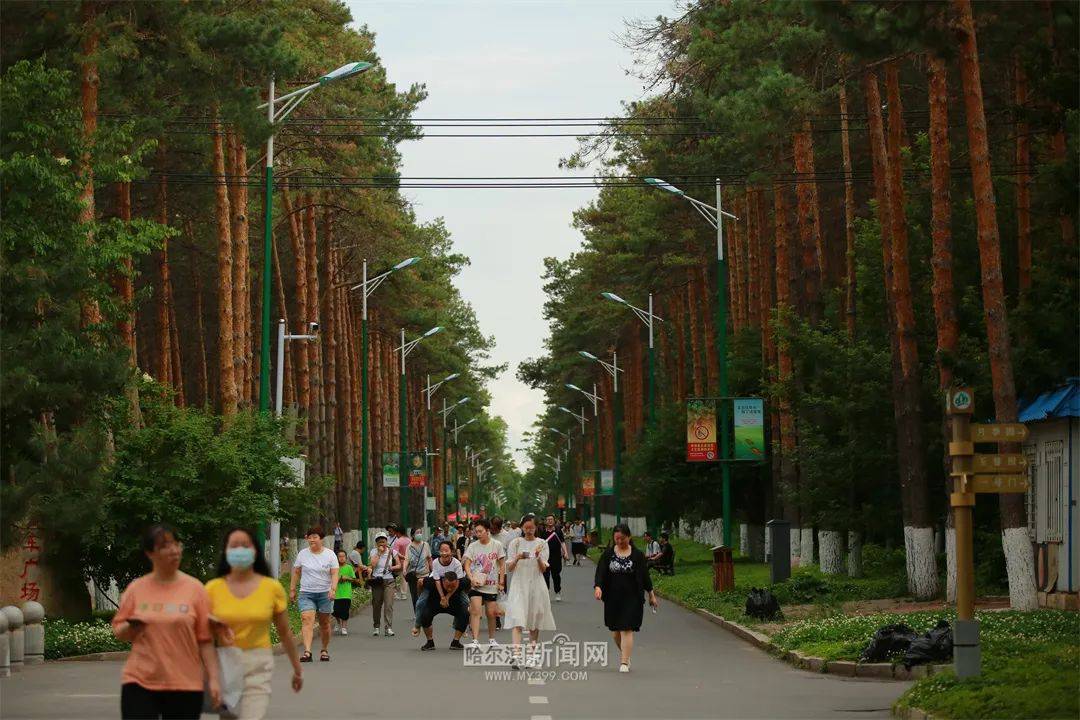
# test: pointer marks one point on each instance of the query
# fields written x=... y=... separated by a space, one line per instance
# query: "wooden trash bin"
x=723 y=569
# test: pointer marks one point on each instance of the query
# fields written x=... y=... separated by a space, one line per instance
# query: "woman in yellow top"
x=244 y=600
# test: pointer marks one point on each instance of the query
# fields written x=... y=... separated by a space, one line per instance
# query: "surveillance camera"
x=313 y=327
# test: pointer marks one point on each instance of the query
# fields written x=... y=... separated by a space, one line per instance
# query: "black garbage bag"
x=888 y=641
x=934 y=646
x=762 y=604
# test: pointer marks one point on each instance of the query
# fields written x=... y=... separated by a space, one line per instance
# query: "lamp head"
x=566 y=410
x=665 y=186
x=613 y=297
x=406 y=263
x=572 y=386
x=346 y=70
x=433 y=331
x=587 y=355
x=450 y=377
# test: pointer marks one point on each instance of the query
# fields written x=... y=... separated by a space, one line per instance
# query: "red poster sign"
x=588 y=486
x=561 y=502
x=701 y=430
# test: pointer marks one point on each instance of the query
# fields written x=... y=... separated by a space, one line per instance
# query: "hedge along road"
x=683 y=667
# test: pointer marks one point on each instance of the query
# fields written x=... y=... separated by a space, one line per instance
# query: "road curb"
x=842 y=668
x=116 y=655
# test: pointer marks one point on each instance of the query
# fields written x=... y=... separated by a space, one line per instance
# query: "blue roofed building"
x=1053 y=454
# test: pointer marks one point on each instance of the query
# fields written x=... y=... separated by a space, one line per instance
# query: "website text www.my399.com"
x=545 y=675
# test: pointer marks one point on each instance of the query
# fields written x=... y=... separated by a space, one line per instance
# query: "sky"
x=506 y=59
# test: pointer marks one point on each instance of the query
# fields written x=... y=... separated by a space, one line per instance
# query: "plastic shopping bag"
x=231 y=680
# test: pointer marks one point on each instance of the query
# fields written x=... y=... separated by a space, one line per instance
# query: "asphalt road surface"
x=683 y=667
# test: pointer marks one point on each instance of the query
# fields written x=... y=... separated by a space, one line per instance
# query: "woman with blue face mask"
x=244 y=600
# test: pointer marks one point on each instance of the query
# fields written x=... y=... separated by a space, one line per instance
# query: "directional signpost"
x=975 y=473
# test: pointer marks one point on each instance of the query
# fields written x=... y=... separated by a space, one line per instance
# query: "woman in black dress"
x=622 y=579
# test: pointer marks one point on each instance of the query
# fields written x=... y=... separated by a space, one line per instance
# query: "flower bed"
x=64 y=638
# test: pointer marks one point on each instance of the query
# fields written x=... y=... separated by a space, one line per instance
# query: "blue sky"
x=506 y=59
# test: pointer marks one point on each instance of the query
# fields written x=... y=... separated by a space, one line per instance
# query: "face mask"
x=240 y=558
x=417 y=537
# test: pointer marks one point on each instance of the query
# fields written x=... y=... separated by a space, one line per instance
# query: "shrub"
x=67 y=639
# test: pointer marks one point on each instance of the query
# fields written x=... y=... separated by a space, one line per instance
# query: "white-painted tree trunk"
x=768 y=545
x=854 y=555
x=796 y=547
x=921 y=562
x=806 y=553
x=831 y=551
x=744 y=539
x=755 y=542
x=950 y=565
x=1020 y=565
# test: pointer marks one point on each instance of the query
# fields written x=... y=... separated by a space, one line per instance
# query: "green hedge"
x=65 y=639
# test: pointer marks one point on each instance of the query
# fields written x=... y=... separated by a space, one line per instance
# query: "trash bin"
x=723 y=569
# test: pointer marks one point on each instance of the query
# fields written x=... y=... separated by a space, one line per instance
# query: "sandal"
x=306 y=657
x=324 y=656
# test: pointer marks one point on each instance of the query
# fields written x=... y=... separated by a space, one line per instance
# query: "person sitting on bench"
x=665 y=562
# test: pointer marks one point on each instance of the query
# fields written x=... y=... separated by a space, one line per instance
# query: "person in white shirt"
x=384 y=563
x=445 y=590
x=485 y=567
x=652 y=548
x=316 y=570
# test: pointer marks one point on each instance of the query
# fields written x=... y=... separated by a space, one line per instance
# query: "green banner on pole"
x=749 y=424
x=451 y=493
x=391 y=476
x=607 y=482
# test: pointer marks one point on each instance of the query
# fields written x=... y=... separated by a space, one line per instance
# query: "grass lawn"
x=1031 y=660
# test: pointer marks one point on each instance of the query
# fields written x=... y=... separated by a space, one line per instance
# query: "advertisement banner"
x=588 y=486
x=561 y=502
x=749 y=424
x=391 y=477
x=451 y=493
x=701 y=438
x=463 y=495
x=417 y=470
x=607 y=482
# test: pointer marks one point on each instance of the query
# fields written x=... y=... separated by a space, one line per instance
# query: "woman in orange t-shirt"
x=165 y=615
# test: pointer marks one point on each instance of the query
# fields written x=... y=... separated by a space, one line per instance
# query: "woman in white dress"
x=529 y=606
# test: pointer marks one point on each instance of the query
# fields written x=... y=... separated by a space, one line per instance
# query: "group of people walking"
x=186 y=636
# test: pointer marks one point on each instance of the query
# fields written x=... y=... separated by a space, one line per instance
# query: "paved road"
x=684 y=667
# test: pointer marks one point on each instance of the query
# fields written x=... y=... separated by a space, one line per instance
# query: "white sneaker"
x=474 y=644
x=375 y=632
x=624 y=668
x=493 y=642
x=558 y=597
x=344 y=631
x=389 y=632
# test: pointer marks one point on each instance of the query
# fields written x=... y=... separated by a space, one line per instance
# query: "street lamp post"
x=647 y=317
x=580 y=417
x=457 y=461
x=715 y=217
x=559 y=482
x=613 y=370
x=447 y=455
x=368 y=286
x=279 y=402
x=403 y=459
x=276 y=113
x=595 y=399
x=430 y=390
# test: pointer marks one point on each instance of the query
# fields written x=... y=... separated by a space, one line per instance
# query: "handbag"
x=231 y=680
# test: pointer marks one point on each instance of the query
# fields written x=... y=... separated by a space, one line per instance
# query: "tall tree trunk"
x=1023 y=180
x=122 y=281
x=299 y=351
x=753 y=250
x=241 y=299
x=89 y=83
x=202 y=375
x=329 y=337
x=227 y=397
x=941 y=262
x=1019 y=559
x=697 y=373
x=813 y=255
x=789 y=477
x=289 y=392
x=163 y=367
x=918 y=538
x=1057 y=140
x=316 y=416
x=849 y=215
